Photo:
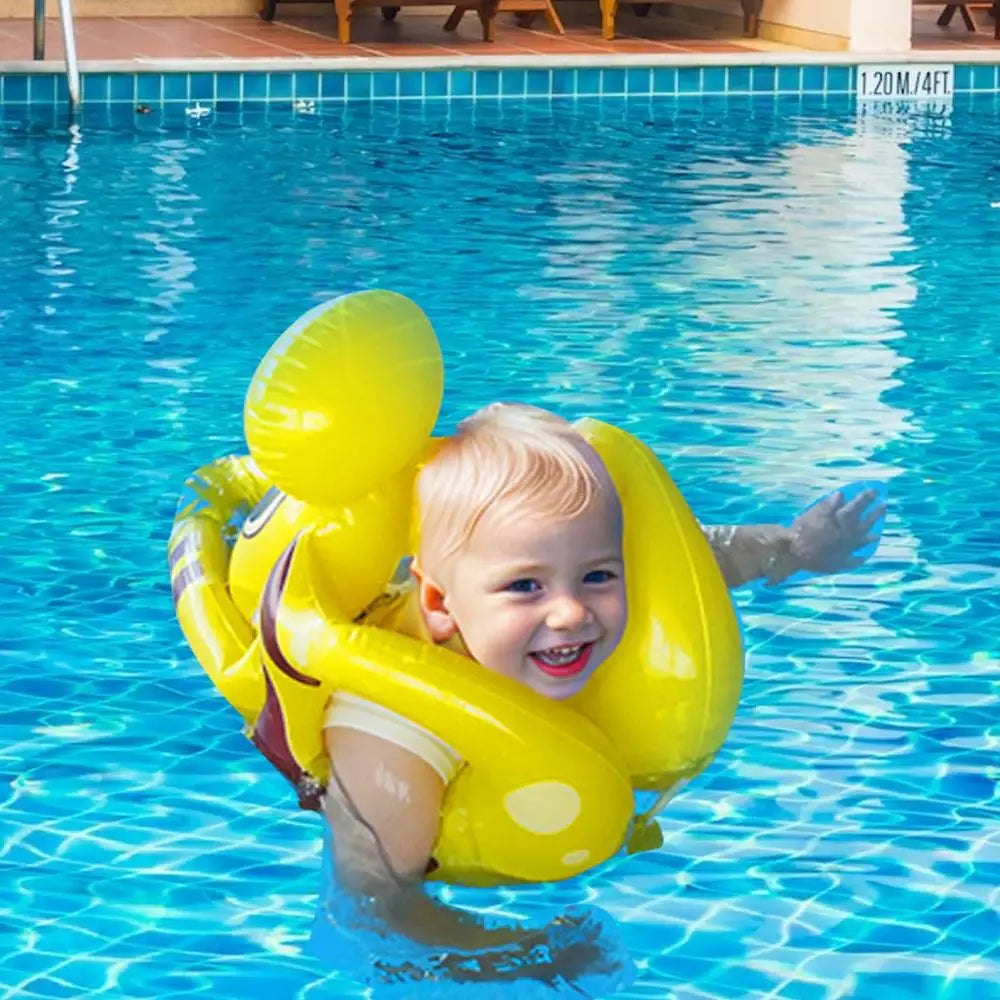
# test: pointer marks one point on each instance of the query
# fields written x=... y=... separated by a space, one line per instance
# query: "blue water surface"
x=778 y=296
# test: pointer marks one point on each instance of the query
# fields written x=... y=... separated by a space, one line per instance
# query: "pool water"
x=779 y=296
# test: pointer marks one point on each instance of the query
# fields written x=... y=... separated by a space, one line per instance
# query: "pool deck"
x=174 y=42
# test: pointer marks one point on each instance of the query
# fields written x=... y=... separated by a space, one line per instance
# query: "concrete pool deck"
x=244 y=40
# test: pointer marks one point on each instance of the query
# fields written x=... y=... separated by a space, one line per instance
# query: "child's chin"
x=556 y=690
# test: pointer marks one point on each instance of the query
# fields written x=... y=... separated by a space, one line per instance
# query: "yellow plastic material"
x=546 y=790
x=543 y=794
x=362 y=542
x=198 y=552
x=668 y=694
x=345 y=398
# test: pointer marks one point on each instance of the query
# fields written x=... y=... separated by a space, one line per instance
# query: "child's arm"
x=383 y=804
x=822 y=539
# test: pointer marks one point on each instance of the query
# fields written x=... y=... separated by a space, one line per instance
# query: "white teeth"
x=556 y=657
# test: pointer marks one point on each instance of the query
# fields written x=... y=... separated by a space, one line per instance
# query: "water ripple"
x=775 y=295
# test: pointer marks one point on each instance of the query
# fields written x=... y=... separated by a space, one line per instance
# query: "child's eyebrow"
x=513 y=571
x=610 y=557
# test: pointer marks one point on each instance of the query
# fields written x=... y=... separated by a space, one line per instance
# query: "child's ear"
x=433 y=606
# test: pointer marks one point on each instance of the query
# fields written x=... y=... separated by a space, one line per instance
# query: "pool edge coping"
x=528 y=61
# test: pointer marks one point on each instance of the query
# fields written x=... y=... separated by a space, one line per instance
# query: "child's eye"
x=599 y=576
x=523 y=586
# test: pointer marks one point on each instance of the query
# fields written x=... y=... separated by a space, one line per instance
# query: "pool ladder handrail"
x=69 y=44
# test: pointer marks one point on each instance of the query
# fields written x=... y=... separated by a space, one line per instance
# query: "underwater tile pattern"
x=227 y=90
x=768 y=291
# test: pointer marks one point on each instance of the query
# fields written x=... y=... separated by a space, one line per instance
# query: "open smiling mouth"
x=563 y=661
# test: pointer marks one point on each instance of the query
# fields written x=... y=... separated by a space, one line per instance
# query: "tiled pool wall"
x=240 y=87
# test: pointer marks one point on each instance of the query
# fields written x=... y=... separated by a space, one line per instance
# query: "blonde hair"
x=506 y=457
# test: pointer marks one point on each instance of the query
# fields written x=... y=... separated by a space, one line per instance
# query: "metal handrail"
x=69 y=44
x=39 y=29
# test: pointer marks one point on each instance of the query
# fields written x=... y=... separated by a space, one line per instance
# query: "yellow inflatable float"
x=274 y=556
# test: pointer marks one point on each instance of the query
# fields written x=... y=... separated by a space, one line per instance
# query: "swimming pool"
x=779 y=296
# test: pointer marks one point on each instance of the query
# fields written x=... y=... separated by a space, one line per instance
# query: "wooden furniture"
x=609 y=8
x=486 y=9
x=524 y=9
x=965 y=10
x=751 y=17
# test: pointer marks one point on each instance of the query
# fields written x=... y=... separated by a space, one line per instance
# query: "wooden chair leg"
x=751 y=17
x=487 y=11
x=556 y=25
x=608 y=10
x=995 y=11
x=454 y=19
x=343 y=8
x=949 y=12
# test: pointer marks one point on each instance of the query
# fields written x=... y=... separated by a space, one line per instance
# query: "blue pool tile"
x=838 y=80
x=436 y=84
x=588 y=82
x=763 y=79
x=149 y=87
x=984 y=77
x=332 y=86
x=385 y=85
x=42 y=88
x=488 y=83
x=411 y=83
x=539 y=83
x=15 y=88
x=460 y=82
x=279 y=86
x=636 y=81
x=739 y=80
x=202 y=87
x=175 y=87
x=813 y=79
x=664 y=80
x=639 y=80
x=564 y=82
x=254 y=86
x=62 y=89
x=359 y=86
x=689 y=80
x=121 y=87
x=789 y=79
x=513 y=83
x=713 y=80
x=306 y=85
x=95 y=87
x=612 y=82
x=227 y=87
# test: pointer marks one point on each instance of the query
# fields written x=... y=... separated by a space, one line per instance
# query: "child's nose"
x=567 y=612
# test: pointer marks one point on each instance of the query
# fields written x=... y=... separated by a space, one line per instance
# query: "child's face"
x=540 y=601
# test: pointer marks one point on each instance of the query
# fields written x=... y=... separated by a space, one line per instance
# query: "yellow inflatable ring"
x=546 y=790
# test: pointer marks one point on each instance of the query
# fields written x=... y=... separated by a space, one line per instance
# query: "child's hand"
x=577 y=955
x=825 y=536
